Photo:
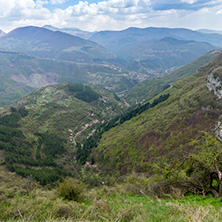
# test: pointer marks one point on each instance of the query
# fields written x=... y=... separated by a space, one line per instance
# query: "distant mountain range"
x=71 y=31
x=114 y=39
x=151 y=51
x=157 y=49
x=209 y=31
x=45 y=43
x=33 y=57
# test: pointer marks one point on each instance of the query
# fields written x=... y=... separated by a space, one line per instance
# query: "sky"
x=96 y=15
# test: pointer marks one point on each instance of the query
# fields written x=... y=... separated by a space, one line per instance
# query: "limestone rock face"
x=218 y=131
x=214 y=85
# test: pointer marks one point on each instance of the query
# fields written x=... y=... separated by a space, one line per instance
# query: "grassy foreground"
x=24 y=200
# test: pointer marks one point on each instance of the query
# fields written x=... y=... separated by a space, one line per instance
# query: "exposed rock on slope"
x=36 y=80
x=214 y=84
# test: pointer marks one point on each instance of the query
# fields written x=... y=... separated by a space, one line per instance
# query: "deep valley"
x=111 y=125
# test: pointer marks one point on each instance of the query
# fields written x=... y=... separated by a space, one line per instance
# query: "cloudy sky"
x=97 y=15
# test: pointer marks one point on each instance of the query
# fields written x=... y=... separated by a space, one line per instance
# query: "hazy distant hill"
x=1 y=33
x=162 y=55
x=45 y=43
x=20 y=74
x=71 y=31
x=114 y=39
x=152 y=51
x=209 y=31
x=157 y=49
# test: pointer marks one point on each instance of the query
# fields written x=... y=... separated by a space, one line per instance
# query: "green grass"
x=24 y=200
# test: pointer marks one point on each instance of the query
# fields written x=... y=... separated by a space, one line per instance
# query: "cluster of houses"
x=95 y=121
x=89 y=164
x=72 y=139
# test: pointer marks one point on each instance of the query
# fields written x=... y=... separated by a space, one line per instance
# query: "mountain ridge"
x=72 y=31
x=145 y=51
x=58 y=45
x=155 y=33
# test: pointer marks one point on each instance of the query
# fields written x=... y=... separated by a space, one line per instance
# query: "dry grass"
x=24 y=200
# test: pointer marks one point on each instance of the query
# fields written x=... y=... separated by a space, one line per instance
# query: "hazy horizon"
x=97 y=15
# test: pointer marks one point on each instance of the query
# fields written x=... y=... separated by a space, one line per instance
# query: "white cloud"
x=57 y=2
x=110 y=14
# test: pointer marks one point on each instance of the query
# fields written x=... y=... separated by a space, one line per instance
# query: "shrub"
x=66 y=209
x=71 y=189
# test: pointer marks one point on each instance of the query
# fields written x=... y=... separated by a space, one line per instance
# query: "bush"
x=71 y=189
x=66 y=209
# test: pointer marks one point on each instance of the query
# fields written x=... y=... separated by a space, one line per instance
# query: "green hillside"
x=163 y=55
x=168 y=133
x=21 y=74
x=149 y=88
x=40 y=134
x=57 y=108
x=164 y=131
x=158 y=161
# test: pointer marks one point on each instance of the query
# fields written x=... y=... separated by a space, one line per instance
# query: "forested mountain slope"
x=21 y=74
x=55 y=109
x=149 y=88
x=165 y=132
x=40 y=133
x=161 y=56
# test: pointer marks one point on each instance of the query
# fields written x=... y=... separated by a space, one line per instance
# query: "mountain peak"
x=42 y=42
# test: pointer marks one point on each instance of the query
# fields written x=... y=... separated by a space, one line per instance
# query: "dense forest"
x=82 y=153
x=19 y=150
